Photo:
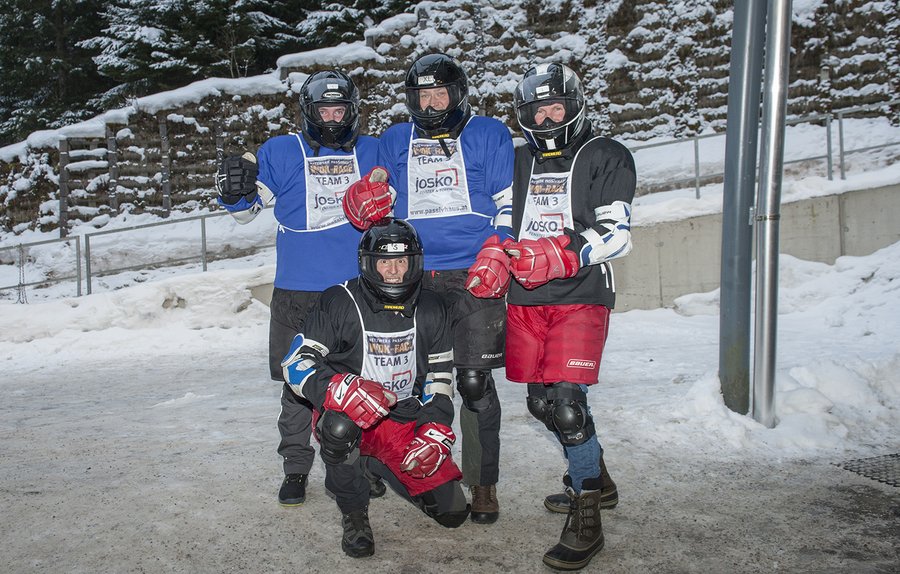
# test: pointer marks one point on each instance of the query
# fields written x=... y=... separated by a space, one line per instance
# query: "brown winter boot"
x=582 y=536
x=485 y=508
x=609 y=494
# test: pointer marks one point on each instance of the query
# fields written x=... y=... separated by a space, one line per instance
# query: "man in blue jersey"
x=449 y=173
x=315 y=246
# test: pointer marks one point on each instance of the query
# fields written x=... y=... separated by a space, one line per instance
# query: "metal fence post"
x=829 y=152
x=203 y=241
x=696 y=167
x=78 y=265
x=87 y=262
x=841 y=143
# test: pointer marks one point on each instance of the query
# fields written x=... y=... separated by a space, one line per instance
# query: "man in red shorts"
x=375 y=360
x=572 y=194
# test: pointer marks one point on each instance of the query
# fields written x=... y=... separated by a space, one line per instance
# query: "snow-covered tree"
x=46 y=78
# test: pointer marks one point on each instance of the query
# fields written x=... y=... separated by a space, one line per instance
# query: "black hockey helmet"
x=438 y=71
x=391 y=239
x=330 y=88
x=545 y=85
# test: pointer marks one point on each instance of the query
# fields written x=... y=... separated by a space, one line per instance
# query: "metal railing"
x=21 y=260
x=203 y=256
x=828 y=156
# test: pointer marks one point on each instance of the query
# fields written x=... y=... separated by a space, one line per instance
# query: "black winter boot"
x=358 y=541
x=609 y=494
x=376 y=485
x=582 y=536
x=293 y=490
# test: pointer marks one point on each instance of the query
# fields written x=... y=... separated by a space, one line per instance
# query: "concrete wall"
x=674 y=259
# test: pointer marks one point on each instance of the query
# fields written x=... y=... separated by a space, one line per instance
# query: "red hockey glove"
x=364 y=401
x=428 y=451
x=534 y=263
x=489 y=275
x=368 y=200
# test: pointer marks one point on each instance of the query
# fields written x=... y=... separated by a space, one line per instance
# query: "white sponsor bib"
x=437 y=183
x=548 y=205
x=388 y=358
x=327 y=179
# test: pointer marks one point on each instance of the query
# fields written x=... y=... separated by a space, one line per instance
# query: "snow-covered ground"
x=137 y=434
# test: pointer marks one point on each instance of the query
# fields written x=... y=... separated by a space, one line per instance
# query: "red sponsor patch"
x=581 y=364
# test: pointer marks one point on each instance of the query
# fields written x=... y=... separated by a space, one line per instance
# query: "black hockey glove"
x=237 y=178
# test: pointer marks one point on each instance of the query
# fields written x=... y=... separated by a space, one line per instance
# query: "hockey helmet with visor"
x=437 y=94
x=550 y=106
x=387 y=241
x=329 y=106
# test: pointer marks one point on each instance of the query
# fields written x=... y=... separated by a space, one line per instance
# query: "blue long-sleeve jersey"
x=451 y=231
x=316 y=245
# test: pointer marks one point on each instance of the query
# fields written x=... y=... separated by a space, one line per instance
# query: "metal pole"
x=739 y=186
x=841 y=143
x=203 y=241
x=87 y=262
x=829 y=151
x=696 y=167
x=778 y=46
x=78 y=264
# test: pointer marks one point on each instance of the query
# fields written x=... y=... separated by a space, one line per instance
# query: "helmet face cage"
x=437 y=71
x=330 y=88
x=391 y=239
x=545 y=85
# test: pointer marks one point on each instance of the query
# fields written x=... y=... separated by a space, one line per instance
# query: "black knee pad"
x=476 y=387
x=427 y=502
x=452 y=519
x=570 y=415
x=537 y=404
x=573 y=422
x=338 y=437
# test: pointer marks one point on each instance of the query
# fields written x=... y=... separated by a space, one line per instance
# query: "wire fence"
x=22 y=252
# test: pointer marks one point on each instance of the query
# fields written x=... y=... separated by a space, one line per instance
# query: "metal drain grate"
x=884 y=469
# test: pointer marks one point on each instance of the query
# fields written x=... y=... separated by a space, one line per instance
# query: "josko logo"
x=398 y=382
x=548 y=224
x=581 y=364
x=328 y=201
x=442 y=178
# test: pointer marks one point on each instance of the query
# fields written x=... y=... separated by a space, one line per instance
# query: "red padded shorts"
x=555 y=343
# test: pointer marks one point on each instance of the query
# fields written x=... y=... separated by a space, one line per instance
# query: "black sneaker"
x=293 y=490
x=357 y=541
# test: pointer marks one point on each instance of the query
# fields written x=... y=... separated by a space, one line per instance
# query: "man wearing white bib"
x=572 y=194
x=449 y=173
x=375 y=359
x=308 y=173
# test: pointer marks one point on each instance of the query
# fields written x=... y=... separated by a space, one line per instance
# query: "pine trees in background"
x=151 y=45
x=46 y=75
x=650 y=67
x=63 y=61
